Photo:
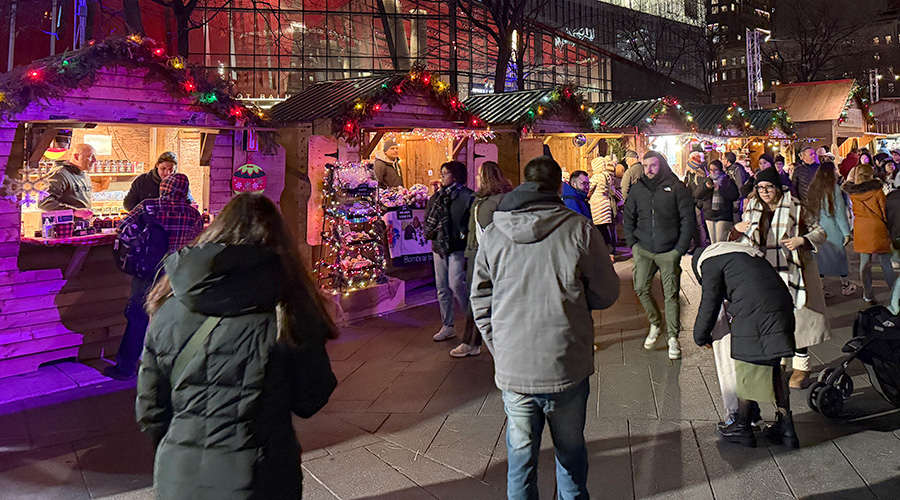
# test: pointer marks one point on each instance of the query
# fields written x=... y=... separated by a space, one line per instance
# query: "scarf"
x=785 y=224
x=438 y=223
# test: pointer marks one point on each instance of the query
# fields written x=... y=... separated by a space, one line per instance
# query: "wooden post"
x=41 y=145
x=366 y=151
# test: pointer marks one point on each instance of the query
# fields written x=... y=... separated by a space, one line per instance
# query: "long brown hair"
x=492 y=180
x=821 y=189
x=251 y=219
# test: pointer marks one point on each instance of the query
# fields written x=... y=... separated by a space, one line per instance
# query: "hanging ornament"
x=55 y=153
x=249 y=178
x=579 y=140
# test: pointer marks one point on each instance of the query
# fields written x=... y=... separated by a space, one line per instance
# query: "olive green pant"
x=668 y=264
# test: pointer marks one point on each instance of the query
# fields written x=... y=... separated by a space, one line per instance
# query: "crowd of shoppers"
x=235 y=318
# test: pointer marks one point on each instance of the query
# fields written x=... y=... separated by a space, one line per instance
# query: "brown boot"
x=799 y=379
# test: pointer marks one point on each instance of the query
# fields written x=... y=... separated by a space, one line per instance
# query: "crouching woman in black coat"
x=762 y=332
x=236 y=344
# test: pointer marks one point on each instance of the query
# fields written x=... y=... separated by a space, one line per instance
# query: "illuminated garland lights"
x=347 y=123
x=564 y=96
x=868 y=114
x=666 y=104
x=349 y=263
x=52 y=78
x=736 y=121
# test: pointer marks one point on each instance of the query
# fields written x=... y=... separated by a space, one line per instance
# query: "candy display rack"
x=352 y=232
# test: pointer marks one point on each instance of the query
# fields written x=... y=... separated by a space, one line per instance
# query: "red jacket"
x=847 y=165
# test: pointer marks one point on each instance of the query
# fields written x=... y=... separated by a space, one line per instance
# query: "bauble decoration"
x=579 y=140
x=249 y=178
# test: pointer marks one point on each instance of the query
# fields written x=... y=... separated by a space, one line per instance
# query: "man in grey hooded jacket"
x=539 y=271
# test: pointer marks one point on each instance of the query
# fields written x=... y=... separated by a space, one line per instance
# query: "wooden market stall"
x=829 y=113
x=526 y=122
x=748 y=133
x=649 y=124
x=332 y=130
x=63 y=297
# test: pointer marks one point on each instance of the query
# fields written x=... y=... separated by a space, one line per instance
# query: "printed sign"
x=406 y=234
x=102 y=144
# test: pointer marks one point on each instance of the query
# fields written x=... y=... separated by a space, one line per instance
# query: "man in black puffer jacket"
x=762 y=332
x=659 y=224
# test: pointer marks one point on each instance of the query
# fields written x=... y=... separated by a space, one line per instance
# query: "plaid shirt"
x=175 y=214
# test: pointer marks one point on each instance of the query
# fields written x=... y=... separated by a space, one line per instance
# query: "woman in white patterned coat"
x=776 y=223
x=603 y=197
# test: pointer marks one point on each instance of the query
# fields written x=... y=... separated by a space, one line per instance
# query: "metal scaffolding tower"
x=754 y=68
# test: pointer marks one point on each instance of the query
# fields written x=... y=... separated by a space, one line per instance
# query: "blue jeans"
x=132 y=344
x=565 y=411
x=865 y=271
x=450 y=280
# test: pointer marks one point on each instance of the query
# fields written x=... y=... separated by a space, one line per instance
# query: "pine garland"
x=347 y=123
x=562 y=97
x=54 y=77
x=666 y=104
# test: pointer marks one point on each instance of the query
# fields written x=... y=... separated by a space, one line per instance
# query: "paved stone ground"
x=409 y=422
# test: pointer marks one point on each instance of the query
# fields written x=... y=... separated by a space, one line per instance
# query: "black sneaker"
x=114 y=373
x=728 y=421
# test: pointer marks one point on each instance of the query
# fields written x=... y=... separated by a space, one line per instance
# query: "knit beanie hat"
x=695 y=164
x=768 y=158
x=768 y=175
x=388 y=144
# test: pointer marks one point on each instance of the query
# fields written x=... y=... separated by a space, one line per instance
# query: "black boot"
x=738 y=432
x=782 y=431
x=755 y=416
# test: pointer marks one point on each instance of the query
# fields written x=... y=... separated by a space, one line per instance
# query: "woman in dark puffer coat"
x=762 y=331
x=224 y=430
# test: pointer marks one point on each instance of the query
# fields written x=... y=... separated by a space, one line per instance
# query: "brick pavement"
x=409 y=422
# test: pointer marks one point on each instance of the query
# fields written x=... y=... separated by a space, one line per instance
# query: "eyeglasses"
x=766 y=189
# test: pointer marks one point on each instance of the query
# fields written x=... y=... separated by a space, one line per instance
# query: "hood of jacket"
x=175 y=186
x=225 y=280
x=861 y=189
x=527 y=194
x=721 y=248
x=527 y=215
x=568 y=190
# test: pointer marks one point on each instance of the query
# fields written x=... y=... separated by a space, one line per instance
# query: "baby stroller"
x=876 y=342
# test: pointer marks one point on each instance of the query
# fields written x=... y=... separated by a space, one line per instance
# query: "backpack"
x=141 y=246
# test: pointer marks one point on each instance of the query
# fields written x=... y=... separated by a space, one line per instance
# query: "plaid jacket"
x=181 y=221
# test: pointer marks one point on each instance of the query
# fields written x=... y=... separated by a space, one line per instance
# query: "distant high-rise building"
x=730 y=19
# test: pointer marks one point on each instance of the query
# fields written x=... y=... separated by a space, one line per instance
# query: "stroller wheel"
x=814 y=390
x=830 y=402
x=824 y=374
x=845 y=385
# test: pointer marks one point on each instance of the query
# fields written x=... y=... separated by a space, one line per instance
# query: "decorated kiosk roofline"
x=738 y=121
x=638 y=115
x=348 y=122
x=53 y=77
x=523 y=109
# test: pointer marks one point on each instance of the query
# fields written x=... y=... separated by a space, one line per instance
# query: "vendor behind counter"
x=146 y=186
x=70 y=187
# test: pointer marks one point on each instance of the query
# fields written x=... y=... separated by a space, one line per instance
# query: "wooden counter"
x=61 y=298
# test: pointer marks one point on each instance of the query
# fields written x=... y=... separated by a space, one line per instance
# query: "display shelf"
x=94 y=174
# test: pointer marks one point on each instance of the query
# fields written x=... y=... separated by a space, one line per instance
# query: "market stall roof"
x=507 y=107
x=417 y=98
x=814 y=101
x=661 y=116
x=59 y=84
x=550 y=110
x=326 y=99
x=625 y=114
x=715 y=118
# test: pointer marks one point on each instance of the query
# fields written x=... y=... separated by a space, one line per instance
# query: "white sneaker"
x=446 y=332
x=652 y=337
x=463 y=350
x=674 y=348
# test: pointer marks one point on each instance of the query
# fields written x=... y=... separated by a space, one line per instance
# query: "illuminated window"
x=724 y=76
